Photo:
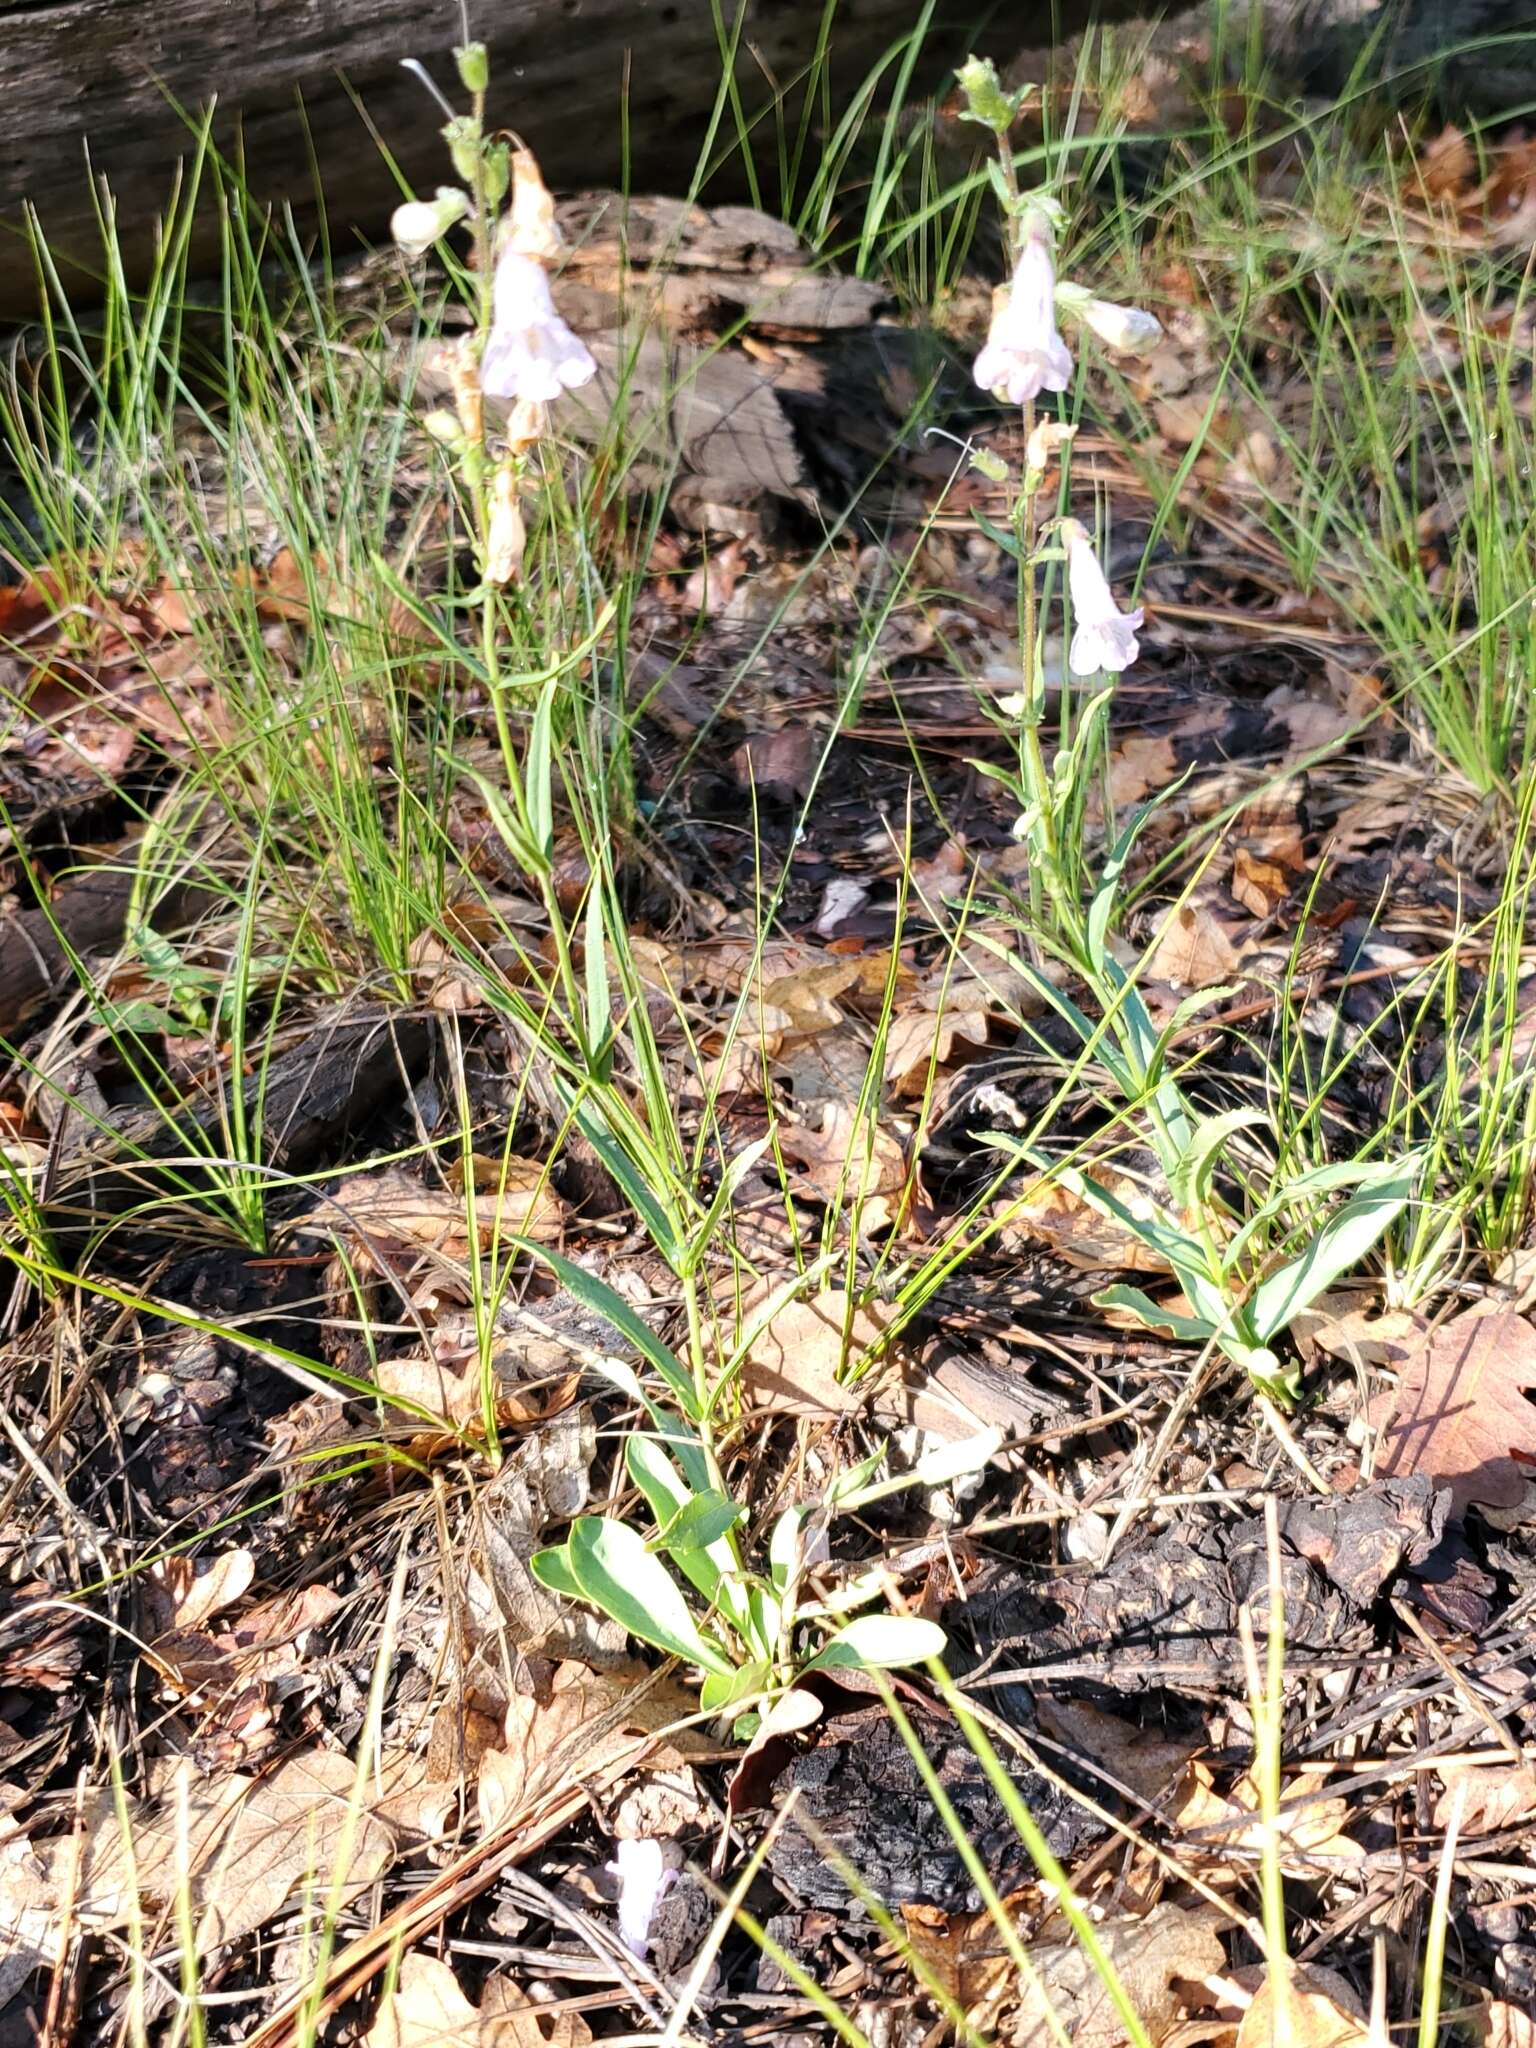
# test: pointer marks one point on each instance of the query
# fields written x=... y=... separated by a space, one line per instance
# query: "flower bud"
x=463 y=137
x=1126 y=329
x=444 y=427
x=420 y=222
x=985 y=99
x=495 y=173
x=474 y=67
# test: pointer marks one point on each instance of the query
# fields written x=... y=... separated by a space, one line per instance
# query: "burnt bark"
x=38 y=947
x=310 y=1103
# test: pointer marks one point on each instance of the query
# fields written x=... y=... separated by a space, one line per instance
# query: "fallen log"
x=39 y=948
x=607 y=91
x=586 y=82
x=308 y=1104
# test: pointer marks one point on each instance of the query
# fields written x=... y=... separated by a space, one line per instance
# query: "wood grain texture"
x=90 y=81
x=92 y=86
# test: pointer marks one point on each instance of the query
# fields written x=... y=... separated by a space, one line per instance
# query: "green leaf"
x=1004 y=776
x=703 y=1521
x=1196 y=1170
x=1141 y=1050
x=784 y=1544
x=552 y=1569
x=1342 y=1242
x=603 y=1300
x=1159 y=1232
x=999 y=536
x=1186 y=1011
x=666 y=1492
x=593 y=1123
x=713 y=1568
x=514 y=834
x=616 y=1572
x=880 y=1642
x=1188 y=1329
x=852 y=1480
x=1067 y=768
x=732 y=1178
x=946 y=1462
x=668 y=1427
x=765 y=1618
x=538 y=776
x=1101 y=909
x=598 y=998
x=1049 y=993
x=772 y=1304
x=717 y=1693
x=1326 y=1180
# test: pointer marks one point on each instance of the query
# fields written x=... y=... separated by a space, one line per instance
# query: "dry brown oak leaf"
x=1462 y=1413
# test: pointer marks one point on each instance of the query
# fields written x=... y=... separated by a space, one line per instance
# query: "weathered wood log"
x=1465 y=57
x=100 y=76
x=99 y=82
x=38 y=948
x=313 y=1097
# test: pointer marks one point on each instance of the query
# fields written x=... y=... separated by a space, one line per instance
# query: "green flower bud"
x=474 y=66
x=985 y=99
x=463 y=137
x=1047 y=205
x=497 y=174
x=991 y=466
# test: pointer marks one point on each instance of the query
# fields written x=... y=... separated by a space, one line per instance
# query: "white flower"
x=421 y=222
x=1104 y=637
x=1126 y=329
x=646 y=1874
x=530 y=352
x=1025 y=355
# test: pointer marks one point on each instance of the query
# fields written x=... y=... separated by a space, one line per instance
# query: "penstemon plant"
x=1240 y=1292
x=751 y=1633
x=693 y=1588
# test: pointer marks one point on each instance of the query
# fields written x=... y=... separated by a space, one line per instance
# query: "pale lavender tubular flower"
x=530 y=352
x=1104 y=637
x=1125 y=328
x=1025 y=353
